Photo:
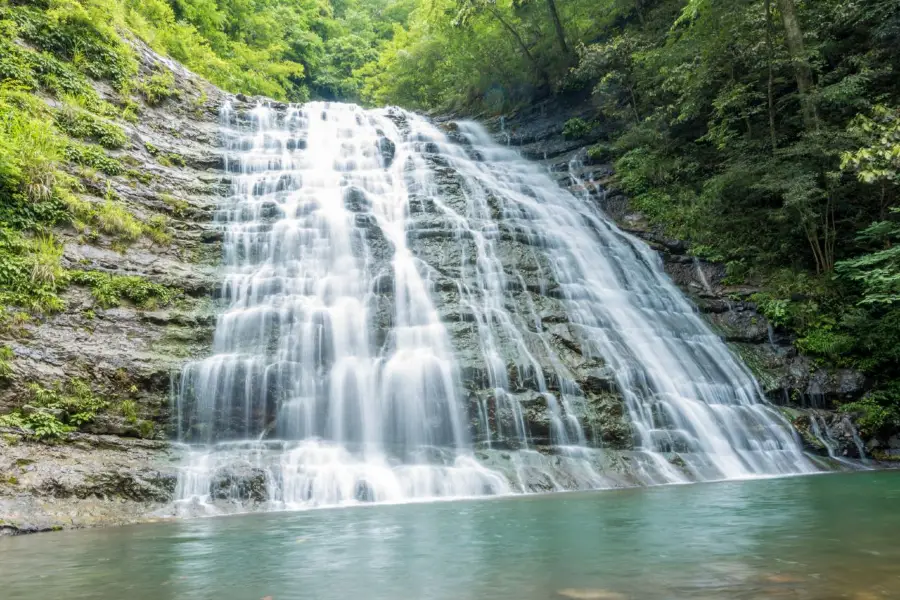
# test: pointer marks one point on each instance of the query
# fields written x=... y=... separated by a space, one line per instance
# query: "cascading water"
x=414 y=314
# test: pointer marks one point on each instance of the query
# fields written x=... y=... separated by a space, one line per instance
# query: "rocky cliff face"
x=120 y=465
x=806 y=392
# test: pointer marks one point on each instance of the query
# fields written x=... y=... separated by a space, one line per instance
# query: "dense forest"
x=764 y=132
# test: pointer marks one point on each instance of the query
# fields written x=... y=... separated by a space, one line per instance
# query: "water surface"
x=820 y=537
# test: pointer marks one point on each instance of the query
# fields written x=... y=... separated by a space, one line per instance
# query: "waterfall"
x=415 y=314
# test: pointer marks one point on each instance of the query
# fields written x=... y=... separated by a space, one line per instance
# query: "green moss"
x=179 y=207
x=144 y=177
x=147 y=429
x=754 y=357
x=171 y=159
x=11 y=439
x=166 y=159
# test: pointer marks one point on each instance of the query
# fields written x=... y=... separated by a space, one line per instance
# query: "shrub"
x=577 y=128
x=30 y=273
x=111 y=290
x=81 y=124
x=50 y=413
x=89 y=155
x=877 y=413
x=158 y=88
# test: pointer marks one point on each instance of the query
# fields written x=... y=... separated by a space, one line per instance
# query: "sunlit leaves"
x=879 y=159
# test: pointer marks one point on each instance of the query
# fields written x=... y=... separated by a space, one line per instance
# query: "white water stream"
x=336 y=376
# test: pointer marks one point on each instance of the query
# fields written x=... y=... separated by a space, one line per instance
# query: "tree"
x=468 y=9
x=793 y=36
x=877 y=162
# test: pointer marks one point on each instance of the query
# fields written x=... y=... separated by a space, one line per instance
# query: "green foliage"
x=30 y=271
x=90 y=155
x=577 y=128
x=157 y=229
x=158 y=88
x=114 y=219
x=166 y=159
x=774 y=309
x=825 y=341
x=877 y=413
x=128 y=409
x=780 y=163
x=82 y=33
x=81 y=124
x=6 y=356
x=111 y=290
x=599 y=152
x=13 y=323
x=30 y=154
x=878 y=273
x=179 y=207
x=879 y=161
x=41 y=425
x=49 y=414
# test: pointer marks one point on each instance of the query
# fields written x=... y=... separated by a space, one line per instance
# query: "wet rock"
x=86 y=480
x=828 y=433
x=355 y=200
x=388 y=150
x=791 y=379
x=240 y=483
x=740 y=324
x=607 y=419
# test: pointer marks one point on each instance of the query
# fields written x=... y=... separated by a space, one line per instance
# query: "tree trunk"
x=537 y=67
x=639 y=9
x=560 y=32
x=770 y=51
x=793 y=35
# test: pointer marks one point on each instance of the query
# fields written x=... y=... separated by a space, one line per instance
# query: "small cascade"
x=819 y=429
x=698 y=268
x=414 y=314
x=770 y=332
